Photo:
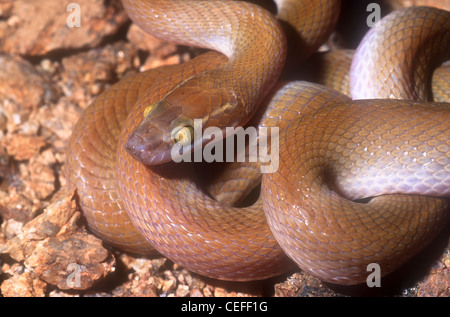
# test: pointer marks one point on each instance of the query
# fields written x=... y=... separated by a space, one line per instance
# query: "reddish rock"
x=39 y=28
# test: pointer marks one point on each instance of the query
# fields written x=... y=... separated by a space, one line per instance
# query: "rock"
x=23 y=147
x=36 y=30
x=15 y=205
x=94 y=69
x=16 y=103
x=56 y=250
x=73 y=261
x=303 y=285
x=157 y=48
x=23 y=285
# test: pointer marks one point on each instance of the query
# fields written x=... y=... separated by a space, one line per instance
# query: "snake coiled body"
x=333 y=152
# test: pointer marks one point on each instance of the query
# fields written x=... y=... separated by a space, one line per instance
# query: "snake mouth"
x=147 y=147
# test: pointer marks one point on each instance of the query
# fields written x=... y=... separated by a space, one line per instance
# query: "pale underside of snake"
x=333 y=151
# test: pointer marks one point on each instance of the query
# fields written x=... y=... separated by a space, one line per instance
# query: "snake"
x=359 y=181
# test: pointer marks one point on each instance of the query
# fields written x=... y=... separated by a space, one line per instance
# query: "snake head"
x=167 y=131
x=162 y=128
x=168 y=125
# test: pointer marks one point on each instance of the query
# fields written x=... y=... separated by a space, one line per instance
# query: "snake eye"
x=183 y=136
x=148 y=109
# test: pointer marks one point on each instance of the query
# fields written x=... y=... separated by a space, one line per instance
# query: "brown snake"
x=332 y=151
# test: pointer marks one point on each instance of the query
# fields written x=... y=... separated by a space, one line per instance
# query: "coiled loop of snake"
x=329 y=145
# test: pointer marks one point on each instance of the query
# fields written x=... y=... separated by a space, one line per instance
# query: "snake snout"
x=147 y=147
